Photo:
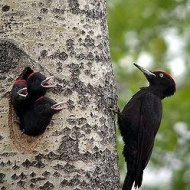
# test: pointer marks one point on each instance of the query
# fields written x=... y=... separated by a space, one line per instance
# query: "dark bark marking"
x=52 y=156
x=2 y=176
x=68 y=168
x=64 y=183
x=74 y=6
x=14 y=177
x=46 y=174
x=33 y=174
x=47 y=186
x=26 y=163
x=37 y=179
x=59 y=55
x=10 y=56
x=39 y=164
x=43 y=53
x=21 y=183
x=5 y=8
x=56 y=174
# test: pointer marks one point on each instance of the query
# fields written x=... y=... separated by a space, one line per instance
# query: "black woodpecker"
x=139 y=123
x=38 y=117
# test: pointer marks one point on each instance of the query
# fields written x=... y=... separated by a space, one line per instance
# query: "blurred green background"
x=156 y=35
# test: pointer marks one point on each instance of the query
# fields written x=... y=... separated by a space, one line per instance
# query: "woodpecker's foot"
x=17 y=120
x=115 y=110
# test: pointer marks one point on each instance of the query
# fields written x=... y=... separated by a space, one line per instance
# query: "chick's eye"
x=161 y=75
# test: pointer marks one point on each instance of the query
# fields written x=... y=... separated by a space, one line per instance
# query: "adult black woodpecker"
x=38 y=117
x=139 y=123
x=38 y=84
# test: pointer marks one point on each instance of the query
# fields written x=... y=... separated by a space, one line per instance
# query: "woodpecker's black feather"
x=139 y=123
x=38 y=117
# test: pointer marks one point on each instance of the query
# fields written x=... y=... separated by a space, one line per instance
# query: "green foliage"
x=139 y=28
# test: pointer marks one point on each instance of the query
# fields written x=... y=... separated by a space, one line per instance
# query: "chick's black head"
x=38 y=84
x=19 y=90
x=34 y=84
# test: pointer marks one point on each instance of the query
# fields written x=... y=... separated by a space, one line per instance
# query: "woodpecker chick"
x=25 y=73
x=139 y=123
x=38 y=84
x=19 y=98
x=38 y=117
x=19 y=95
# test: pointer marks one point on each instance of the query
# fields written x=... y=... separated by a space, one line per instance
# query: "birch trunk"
x=67 y=39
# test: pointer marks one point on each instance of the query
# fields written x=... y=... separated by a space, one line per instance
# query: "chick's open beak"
x=59 y=106
x=49 y=82
x=23 y=92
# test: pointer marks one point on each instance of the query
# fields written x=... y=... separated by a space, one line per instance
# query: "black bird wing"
x=139 y=123
x=149 y=122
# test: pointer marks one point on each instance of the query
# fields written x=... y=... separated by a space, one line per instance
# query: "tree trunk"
x=67 y=39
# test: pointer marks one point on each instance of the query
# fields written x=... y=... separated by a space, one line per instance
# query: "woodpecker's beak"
x=48 y=82
x=59 y=106
x=23 y=92
x=146 y=72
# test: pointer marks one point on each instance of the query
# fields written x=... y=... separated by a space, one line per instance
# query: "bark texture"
x=67 y=39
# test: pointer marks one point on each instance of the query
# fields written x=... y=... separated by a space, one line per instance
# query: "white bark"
x=67 y=39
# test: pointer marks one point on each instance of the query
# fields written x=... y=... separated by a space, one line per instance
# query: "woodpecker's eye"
x=161 y=75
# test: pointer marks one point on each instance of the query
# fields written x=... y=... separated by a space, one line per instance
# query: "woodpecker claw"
x=48 y=82
x=59 y=106
x=17 y=120
x=23 y=92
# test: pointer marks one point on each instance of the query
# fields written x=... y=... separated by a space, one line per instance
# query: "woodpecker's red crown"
x=164 y=73
x=19 y=81
x=160 y=82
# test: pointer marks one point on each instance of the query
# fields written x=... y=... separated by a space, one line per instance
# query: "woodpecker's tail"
x=138 y=180
x=128 y=183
